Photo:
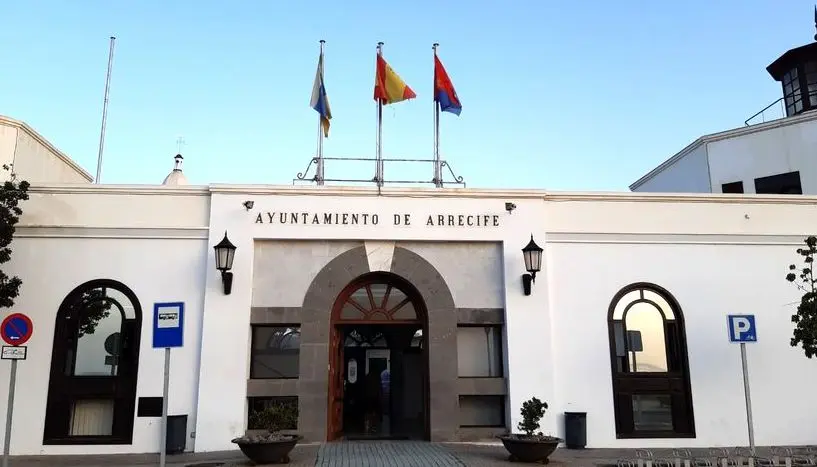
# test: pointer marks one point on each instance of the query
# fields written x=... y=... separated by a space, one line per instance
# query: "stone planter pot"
x=271 y=448
x=529 y=449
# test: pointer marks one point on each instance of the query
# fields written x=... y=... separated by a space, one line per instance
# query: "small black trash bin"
x=176 y=434
x=575 y=430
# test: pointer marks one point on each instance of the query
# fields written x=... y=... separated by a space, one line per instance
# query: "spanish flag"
x=388 y=87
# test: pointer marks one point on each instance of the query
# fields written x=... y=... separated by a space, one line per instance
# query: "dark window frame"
x=64 y=389
x=785 y=179
x=732 y=187
x=793 y=91
x=253 y=328
x=501 y=349
x=503 y=402
x=674 y=383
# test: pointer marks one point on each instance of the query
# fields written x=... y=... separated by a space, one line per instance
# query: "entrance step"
x=385 y=454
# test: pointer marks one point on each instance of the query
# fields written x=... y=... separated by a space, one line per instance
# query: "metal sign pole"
x=163 y=441
x=9 y=410
x=748 y=397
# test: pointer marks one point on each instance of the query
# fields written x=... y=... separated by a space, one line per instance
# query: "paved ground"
x=360 y=454
x=386 y=454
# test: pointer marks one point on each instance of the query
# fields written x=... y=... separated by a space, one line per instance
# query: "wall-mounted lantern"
x=533 y=264
x=225 y=253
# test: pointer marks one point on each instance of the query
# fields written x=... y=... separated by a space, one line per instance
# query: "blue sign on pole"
x=168 y=325
x=742 y=328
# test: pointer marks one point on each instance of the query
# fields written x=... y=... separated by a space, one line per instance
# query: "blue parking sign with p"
x=742 y=328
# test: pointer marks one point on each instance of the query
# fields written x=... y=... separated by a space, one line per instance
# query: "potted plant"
x=270 y=445
x=530 y=447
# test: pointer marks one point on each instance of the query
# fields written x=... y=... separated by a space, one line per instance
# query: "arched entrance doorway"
x=378 y=360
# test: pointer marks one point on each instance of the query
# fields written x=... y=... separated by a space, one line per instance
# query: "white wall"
x=275 y=264
x=775 y=150
x=8 y=142
x=716 y=258
x=34 y=158
x=37 y=163
x=689 y=174
x=715 y=255
x=118 y=208
x=157 y=270
x=222 y=396
x=472 y=270
x=152 y=240
x=709 y=281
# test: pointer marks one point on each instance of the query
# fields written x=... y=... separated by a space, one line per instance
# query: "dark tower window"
x=791 y=92
x=797 y=72
x=811 y=82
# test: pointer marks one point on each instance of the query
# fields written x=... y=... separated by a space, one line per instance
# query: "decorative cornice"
x=684 y=198
x=81 y=188
x=7 y=121
x=674 y=238
x=733 y=133
x=77 y=231
x=466 y=193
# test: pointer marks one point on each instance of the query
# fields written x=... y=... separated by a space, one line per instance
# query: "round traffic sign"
x=112 y=343
x=16 y=329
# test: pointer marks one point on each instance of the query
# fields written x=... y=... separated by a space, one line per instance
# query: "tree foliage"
x=12 y=193
x=92 y=306
x=805 y=319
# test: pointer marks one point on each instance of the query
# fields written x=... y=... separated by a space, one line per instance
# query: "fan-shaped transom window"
x=378 y=301
x=644 y=327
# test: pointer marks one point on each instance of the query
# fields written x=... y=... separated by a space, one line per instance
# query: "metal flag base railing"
x=305 y=177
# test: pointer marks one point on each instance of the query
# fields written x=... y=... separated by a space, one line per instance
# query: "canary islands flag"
x=320 y=102
x=444 y=92
x=388 y=87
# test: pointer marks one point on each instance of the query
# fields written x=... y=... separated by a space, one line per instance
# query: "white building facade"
x=772 y=157
x=775 y=157
x=426 y=283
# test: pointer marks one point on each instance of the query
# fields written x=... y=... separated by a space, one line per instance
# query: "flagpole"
x=379 y=162
x=438 y=173
x=104 y=114
x=319 y=174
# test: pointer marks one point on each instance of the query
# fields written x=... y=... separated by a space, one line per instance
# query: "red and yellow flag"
x=388 y=87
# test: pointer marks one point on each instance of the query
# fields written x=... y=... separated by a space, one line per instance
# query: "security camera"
x=249 y=204
x=510 y=207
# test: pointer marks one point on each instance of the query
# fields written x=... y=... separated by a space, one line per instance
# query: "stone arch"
x=315 y=330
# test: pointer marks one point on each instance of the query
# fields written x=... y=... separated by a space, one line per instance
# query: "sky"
x=579 y=96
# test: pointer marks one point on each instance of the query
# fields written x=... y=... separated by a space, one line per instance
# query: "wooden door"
x=336 y=380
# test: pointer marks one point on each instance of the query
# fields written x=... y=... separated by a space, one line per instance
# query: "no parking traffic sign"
x=16 y=329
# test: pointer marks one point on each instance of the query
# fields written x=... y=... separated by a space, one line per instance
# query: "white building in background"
x=773 y=157
x=34 y=158
x=332 y=285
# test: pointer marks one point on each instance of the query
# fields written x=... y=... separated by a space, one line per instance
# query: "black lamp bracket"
x=527 y=281
x=227 y=281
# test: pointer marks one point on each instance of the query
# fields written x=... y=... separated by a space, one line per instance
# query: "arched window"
x=92 y=387
x=376 y=301
x=649 y=362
